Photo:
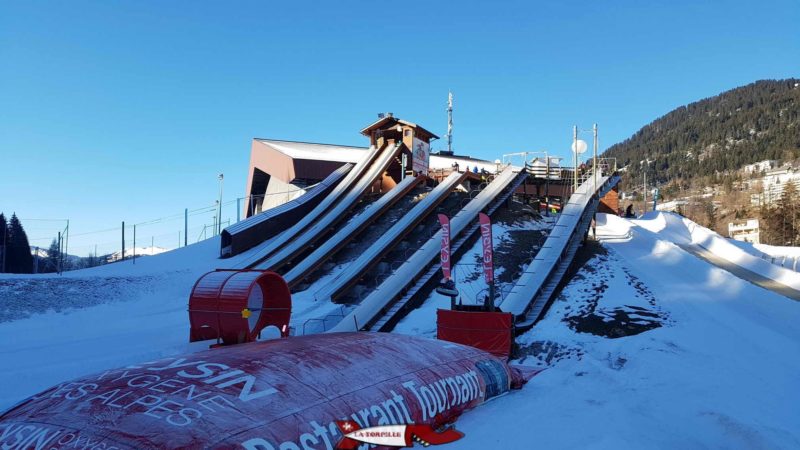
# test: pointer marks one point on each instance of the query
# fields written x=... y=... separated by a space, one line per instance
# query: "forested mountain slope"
x=747 y=124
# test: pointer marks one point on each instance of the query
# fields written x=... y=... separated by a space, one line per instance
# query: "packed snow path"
x=741 y=272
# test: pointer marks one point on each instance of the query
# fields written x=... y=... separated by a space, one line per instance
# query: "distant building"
x=539 y=167
x=282 y=170
x=671 y=206
x=775 y=180
x=761 y=166
x=745 y=231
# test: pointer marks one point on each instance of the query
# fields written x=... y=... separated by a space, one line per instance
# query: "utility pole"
x=66 y=243
x=185 y=228
x=60 y=261
x=219 y=213
x=575 y=158
x=134 y=243
x=238 y=210
x=123 y=241
x=546 y=185
x=644 y=190
x=595 y=157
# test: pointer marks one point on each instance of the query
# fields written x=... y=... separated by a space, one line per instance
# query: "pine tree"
x=3 y=242
x=19 y=258
x=711 y=214
x=53 y=257
x=788 y=212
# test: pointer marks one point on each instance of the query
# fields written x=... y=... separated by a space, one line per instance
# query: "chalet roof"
x=391 y=120
x=345 y=153
x=316 y=151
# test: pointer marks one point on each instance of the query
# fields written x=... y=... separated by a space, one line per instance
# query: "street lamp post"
x=578 y=147
x=594 y=172
x=575 y=158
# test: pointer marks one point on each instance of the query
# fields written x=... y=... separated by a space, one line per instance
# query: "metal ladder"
x=386 y=321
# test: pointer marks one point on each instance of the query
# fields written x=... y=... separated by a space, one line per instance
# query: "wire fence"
x=86 y=248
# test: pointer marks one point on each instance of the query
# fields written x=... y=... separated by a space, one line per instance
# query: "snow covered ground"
x=647 y=346
x=718 y=370
x=54 y=328
x=784 y=256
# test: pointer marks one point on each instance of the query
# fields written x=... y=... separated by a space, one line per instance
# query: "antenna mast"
x=450 y=122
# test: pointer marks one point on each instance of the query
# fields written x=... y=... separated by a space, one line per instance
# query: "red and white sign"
x=393 y=435
x=486 y=240
x=420 y=156
x=445 y=254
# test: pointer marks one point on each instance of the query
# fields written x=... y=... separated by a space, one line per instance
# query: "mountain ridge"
x=718 y=134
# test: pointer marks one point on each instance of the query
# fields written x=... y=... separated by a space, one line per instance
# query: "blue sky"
x=117 y=110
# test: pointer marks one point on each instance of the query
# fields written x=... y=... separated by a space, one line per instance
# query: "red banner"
x=492 y=332
x=486 y=239
x=445 y=255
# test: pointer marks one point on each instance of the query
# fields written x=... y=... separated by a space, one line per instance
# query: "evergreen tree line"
x=15 y=252
x=716 y=135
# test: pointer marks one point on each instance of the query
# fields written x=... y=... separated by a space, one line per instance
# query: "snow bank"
x=679 y=230
x=779 y=255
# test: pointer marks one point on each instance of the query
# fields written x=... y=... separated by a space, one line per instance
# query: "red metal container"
x=233 y=306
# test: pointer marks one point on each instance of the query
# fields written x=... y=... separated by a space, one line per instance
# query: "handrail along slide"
x=342 y=198
x=355 y=269
x=429 y=279
x=328 y=221
x=248 y=233
x=376 y=303
x=350 y=231
x=534 y=289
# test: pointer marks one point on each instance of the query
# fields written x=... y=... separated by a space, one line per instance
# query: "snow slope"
x=682 y=231
x=54 y=328
x=719 y=372
x=713 y=364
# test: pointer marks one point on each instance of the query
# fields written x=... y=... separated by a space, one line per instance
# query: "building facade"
x=745 y=231
x=776 y=180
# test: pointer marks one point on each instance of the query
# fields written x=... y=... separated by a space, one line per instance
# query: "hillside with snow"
x=647 y=346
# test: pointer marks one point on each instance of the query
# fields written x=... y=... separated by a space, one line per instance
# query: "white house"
x=745 y=231
x=761 y=166
x=775 y=180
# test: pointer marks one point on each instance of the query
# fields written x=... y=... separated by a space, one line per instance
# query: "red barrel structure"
x=270 y=395
x=233 y=306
